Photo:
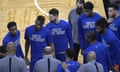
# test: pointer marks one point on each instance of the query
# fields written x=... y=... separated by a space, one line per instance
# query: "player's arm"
x=116 y=45
x=69 y=35
x=27 y=44
x=108 y=58
x=50 y=39
x=80 y=35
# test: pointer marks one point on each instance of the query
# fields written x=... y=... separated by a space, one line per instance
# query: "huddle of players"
x=86 y=30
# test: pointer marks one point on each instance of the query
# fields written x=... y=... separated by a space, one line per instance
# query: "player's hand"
x=27 y=61
x=110 y=20
x=116 y=68
x=64 y=65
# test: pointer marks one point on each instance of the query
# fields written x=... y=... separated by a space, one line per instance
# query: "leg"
x=77 y=49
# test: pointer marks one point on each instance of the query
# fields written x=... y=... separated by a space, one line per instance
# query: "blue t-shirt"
x=16 y=39
x=85 y=24
x=61 y=33
x=115 y=27
x=113 y=45
x=38 y=40
x=73 y=66
x=102 y=55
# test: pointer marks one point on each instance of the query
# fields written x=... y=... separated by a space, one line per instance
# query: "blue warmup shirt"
x=85 y=24
x=16 y=39
x=38 y=40
x=113 y=45
x=115 y=27
x=102 y=55
x=73 y=66
x=61 y=33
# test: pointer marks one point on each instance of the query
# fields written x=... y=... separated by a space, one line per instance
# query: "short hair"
x=70 y=53
x=91 y=35
x=41 y=19
x=54 y=11
x=88 y=5
x=113 y=5
x=102 y=23
x=11 y=24
x=80 y=1
x=3 y=49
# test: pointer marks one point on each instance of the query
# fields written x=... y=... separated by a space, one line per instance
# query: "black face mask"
x=79 y=10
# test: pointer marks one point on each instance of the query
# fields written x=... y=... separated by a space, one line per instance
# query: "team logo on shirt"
x=88 y=25
x=112 y=27
x=37 y=38
x=58 y=31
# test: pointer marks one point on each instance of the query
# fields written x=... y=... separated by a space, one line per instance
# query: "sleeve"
x=85 y=56
x=115 y=45
x=5 y=40
x=108 y=58
x=26 y=34
x=69 y=35
x=19 y=52
x=49 y=37
x=59 y=68
x=80 y=33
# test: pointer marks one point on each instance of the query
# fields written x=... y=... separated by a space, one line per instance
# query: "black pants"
x=77 y=49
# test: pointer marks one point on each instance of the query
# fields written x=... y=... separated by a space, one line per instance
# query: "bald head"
x=91 y=56
x=11 y=47
x=48 y=50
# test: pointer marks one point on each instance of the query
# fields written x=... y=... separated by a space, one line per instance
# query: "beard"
x=79 y=10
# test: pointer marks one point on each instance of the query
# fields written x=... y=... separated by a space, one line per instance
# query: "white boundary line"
x=39 y=8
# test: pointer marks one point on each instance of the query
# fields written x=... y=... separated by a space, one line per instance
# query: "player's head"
x=48 y=51
x=88 y=8
x=101 y=25
x=40 y=20
x=11 y=48
x=2 y=51
x=12 y=27
x=53 y=14
x=70 y=54
x=91 y=56
x=90 y=36
x=112 y=10
x=80 y=5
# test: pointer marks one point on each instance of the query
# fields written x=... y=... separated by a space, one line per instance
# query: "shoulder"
x=30 y=27
x=99 y=64
x=55 y=60
x=19 y=59
x=82 y=15
x=72 y=11
x=97 y=14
